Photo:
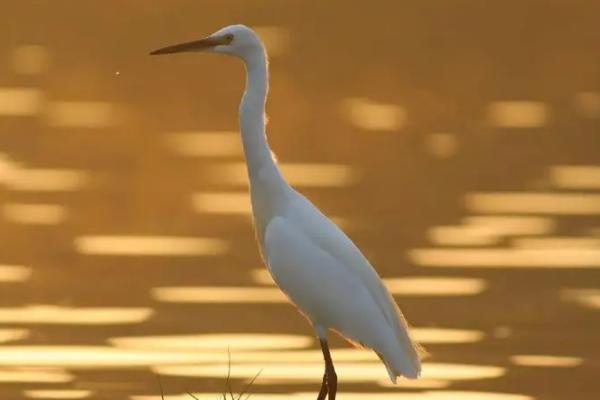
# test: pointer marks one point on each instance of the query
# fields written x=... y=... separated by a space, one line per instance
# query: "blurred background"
x=457 y=142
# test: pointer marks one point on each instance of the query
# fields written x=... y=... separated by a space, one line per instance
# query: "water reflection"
x=530 y=360
x=20 y=102
x=81 y=114
x=34 y=214
x=442 y=145
x=18 y=178
x=507 y=258
x=435 y=286
x=14 y=273
x=534 y=203
x=576 y=177
x=298 y=174
x=34 y=375
x=58 y=394
x=372 y=116
x=205 y=143
x=150 y=245
x=462 y=235
x=222 y=203
x=518 y=114
x=216 y=295
x=588 y=298
x=216 y=342
x=95 y=357
x=312 y=372
x=427 y=395
x=507 y=225
x=13 y=335
x=558 y=243
x=61 y=315
x=30 y=59
x=588 y=104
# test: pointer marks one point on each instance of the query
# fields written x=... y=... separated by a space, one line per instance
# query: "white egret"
x=319 y=268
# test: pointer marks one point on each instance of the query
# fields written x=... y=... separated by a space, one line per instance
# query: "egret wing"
x=321 y=287
x=330 y=238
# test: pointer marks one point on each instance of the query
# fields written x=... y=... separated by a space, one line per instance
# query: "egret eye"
x=228 y=38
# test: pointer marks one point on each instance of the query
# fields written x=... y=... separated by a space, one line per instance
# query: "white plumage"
x=319 y=268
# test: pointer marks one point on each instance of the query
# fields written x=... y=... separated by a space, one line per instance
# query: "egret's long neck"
x=252 y=115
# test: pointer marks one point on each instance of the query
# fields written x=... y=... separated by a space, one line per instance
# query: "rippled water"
x=458 y=146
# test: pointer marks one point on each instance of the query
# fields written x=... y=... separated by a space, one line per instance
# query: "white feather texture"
x=320 y=269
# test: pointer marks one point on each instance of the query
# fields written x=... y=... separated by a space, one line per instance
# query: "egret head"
x=237 y=40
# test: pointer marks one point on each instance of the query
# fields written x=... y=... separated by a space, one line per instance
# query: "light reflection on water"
x=558 y=242
x=14 y=273
x=216 y=342
x=507 y=258
x=534 y=203
x=20 y=102
x=530 y=360
x=507 y=225
x=34 y=214
x=81 y=114
x=518 y=114
x=369 y=115
x=222 y=203
x=38 y=375
x=347 y=371
x=462 y=235
x=150 y=245
x=60 y=315
x=588 y=298
x=64 y=394
x=19 y=178
x=13 y=335
x=216 y=295
x=576 y=177
x=205 y=143
x=427 y=395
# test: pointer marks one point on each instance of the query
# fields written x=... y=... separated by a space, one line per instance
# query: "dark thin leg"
x=329 y=371
x=323 y=391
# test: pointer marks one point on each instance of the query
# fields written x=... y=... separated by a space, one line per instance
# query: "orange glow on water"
x=576 y=177
x=30 y=59
x=507 y=258
x=81 y=114
x=205 y=143
x=34 y=375
x=216 y=342
x=13 y=335
x=518 y=114
x=369 y=115
x=534 y=203
x=507 y=225
x=56 y=315
x=216 y=295
x=34 y=214
x=14 y=273
x=530 y=360
x=65 y=394
x=222 y=203
x=20 y=102
x=150 y=245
